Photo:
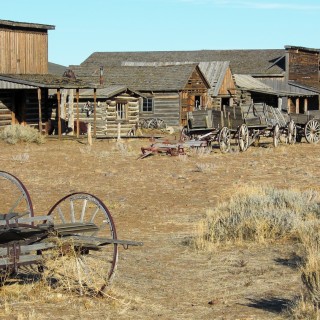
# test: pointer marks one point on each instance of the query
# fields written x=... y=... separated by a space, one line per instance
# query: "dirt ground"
x=160 y=200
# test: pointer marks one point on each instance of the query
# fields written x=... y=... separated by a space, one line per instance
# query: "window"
x=197 y=102
x=147 y=105
x=121 y=109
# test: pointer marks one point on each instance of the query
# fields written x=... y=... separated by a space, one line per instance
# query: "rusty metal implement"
x=79 y=223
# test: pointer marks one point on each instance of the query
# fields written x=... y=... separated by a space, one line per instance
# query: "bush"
x=15 y=133
x=258 y=214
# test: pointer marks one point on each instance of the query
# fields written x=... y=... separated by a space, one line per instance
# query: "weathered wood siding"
x=166 y=106
x=303 y=66
x=228 y=86
x=23 y=52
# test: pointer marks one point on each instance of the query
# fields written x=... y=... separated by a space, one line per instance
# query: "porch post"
x=77 y=97
x=59 y=115
x=305 y=107
x=297 y=105
x=40 y=111
x=94 y=112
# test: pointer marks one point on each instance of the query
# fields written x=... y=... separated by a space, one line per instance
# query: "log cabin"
x=168 y=92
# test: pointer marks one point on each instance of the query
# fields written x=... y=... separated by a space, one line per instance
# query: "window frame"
x=149 y=108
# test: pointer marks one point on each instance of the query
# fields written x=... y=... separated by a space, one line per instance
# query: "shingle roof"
x=46 y=81
x=142 y=78
x=252 y=62
x=106 y=92
x=214 y=71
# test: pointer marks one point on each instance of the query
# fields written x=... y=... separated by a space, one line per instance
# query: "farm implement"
x=77 y=239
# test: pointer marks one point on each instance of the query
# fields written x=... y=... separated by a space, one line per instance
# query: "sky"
x=84 y=27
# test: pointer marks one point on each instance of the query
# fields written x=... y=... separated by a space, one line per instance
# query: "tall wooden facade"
x=23 y=47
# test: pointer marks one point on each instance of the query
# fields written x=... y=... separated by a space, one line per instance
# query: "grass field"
x=168 y=203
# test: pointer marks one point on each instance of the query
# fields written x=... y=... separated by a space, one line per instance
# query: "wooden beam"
x=59 y=113
x=78 y=123
x=40 y=111
x=94 y=112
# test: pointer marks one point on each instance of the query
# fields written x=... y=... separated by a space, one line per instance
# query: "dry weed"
x=13 y=134
x=258 y=214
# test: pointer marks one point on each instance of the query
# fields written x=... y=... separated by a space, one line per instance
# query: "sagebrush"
x=15 y=133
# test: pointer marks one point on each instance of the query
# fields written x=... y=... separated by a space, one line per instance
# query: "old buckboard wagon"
x=245 y=125
x=77 y=238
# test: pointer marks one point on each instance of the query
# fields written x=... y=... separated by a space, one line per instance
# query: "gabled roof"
x=143 y=78
x=107 y=92
x=25 y=25
x=253 y=62
x=214 y=71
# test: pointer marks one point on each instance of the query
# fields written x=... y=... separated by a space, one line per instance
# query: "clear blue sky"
x=84 y=27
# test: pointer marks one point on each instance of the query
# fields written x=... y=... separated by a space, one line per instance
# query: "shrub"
x=258 y=214
x=15 y=133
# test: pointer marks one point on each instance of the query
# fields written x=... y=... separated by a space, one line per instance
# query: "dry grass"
x=265 y=215
x=258 y=214
x=13 y=134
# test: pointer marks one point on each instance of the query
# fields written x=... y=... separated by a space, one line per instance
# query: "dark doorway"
x=19 y=107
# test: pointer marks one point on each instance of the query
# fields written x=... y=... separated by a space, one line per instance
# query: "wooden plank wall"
x=166 y=107
x=23 y=52
x=303 y=65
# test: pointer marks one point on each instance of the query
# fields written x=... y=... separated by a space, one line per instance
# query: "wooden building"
x=292 y=73
x=222 y=89
x=169 y=92
x=24 y=78
x=23 y=47
x=117 y=111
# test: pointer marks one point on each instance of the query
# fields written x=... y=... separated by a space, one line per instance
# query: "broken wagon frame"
x=79 y=222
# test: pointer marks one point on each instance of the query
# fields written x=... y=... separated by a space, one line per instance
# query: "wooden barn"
x=24 y=78
x=169 y=92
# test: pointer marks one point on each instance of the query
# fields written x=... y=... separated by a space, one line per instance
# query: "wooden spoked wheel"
x=87 y=264
x=292 y=132
x=243 y=137
x=15 y=200
x=224 y=140
x=312 y=131
x=276 y=136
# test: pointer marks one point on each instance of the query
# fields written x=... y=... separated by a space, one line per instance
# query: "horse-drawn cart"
x=308 y=125
x=78 y=231
x=245 y=125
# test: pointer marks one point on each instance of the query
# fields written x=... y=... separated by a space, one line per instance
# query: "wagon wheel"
x=243 y=137
x=87 y=268
x=292 y=132
x=14 y=197
x=312 y=131
x=224 y=140
x=276 y=135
